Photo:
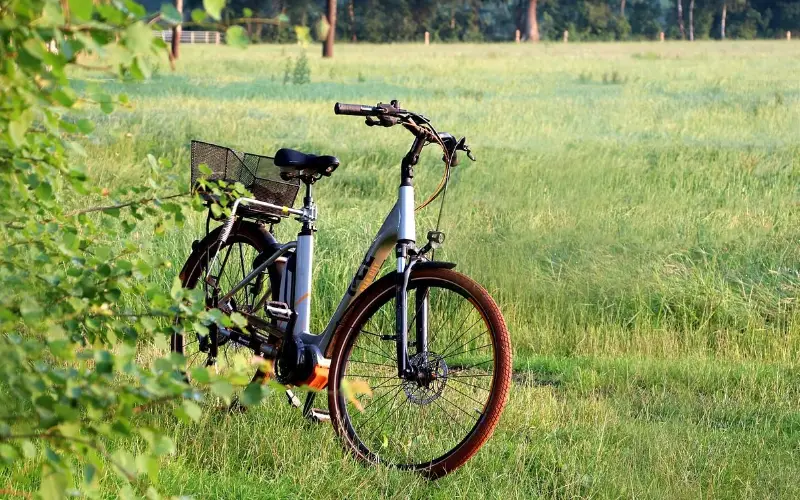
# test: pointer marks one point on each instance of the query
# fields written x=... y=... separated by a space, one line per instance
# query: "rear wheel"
x=234 y=260
x=438 y=421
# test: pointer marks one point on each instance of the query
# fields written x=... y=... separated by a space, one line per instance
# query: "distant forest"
x=380 y=21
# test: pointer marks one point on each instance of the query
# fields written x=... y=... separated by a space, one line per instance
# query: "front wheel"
x=438 y=421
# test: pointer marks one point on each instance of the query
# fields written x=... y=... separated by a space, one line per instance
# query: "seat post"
x=304 y=255
x=307 y=199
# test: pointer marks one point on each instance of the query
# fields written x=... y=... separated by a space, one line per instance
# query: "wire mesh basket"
x=257 y=173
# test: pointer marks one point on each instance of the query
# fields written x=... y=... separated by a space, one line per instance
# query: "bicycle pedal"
x=278 y=310
x=293 y=399
x=318 y=416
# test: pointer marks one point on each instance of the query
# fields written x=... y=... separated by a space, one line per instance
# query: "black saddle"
x=294 y=164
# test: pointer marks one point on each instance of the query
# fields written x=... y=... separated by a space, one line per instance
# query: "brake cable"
x=441 y=189
x=448 y=163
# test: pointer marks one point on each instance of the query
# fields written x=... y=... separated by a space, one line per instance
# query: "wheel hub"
x=430 y=379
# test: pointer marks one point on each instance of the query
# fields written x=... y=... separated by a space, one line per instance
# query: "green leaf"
x=283 y=18
x=236 y=36
x=44 y=191
x=170 y=14
x=192 y=409
x=52 y=15
x=216 y=210
x=147 y=465
x=163 y=445
x=54 y=483
x=85 y=126
x=247 y=12
x=35 y=47
x=198 y=15
x=125 y=463
x=82 y=9
x=214 y=8
x=253 y=394
x=200 y=375
x=238 y=320
x=177 y=288
x=223 y=389
x=29 y=450
x=30 y=309
x=138 y=38
x=62 y=97
x=89 y=474
x=135 y=8
x=16 y=131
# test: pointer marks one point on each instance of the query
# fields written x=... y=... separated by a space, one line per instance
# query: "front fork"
x=404 y=268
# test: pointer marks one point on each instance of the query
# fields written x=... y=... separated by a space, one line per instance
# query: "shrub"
x=70 y=381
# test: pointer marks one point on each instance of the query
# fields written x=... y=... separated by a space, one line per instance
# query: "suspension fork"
x=401 y=311
x=404 y=268
x=421 y=318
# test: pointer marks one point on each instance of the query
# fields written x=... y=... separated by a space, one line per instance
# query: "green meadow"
x=635 y=211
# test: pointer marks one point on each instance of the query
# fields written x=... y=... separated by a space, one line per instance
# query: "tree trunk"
x=622 y=8
x=327 y=47
x=176 y=32
x=691 y=20
x=351 y=10
x=724 y=15
x=533 y=24
x=680 y=20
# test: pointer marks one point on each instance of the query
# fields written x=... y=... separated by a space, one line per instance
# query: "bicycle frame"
x=398 y=230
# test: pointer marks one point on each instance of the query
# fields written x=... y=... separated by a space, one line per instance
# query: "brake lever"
x=462 y=146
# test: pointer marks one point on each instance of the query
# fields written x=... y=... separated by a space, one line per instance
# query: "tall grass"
x=640 y=232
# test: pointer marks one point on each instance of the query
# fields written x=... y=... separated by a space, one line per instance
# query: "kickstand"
x=314 y=414
x=293 y=399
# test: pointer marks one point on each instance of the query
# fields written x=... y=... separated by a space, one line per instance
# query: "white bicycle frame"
x=296 y=285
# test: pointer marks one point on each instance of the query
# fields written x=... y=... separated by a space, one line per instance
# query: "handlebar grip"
x=356 y=109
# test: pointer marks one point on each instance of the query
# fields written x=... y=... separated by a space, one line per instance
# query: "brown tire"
x=421 y=414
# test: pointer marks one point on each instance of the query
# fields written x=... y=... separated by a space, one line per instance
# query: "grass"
x=635 y=210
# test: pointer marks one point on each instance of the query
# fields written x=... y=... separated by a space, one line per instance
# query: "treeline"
x=380 y=21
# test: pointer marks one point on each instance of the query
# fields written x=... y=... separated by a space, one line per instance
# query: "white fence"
x=215 y=37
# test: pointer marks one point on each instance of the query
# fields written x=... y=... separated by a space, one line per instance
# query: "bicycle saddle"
x=294 y=164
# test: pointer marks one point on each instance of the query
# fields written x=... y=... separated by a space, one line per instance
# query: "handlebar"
x=355 y=109
x=381 y=109
x=391 y=114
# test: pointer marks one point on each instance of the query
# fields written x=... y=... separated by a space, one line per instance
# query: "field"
x=635 y=210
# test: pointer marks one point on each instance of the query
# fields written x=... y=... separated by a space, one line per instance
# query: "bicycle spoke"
x=383 y=355
x=466 y=344
x=471 y=385
x=447 y=349
x=369 y=363
x=466 y=395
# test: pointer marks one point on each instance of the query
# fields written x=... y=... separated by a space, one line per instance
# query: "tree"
x=327 y=46
x=691 y=20
x=176 y=32
x=71 y=378
x=533 y=25
x=680 y=19
x=723 y=19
